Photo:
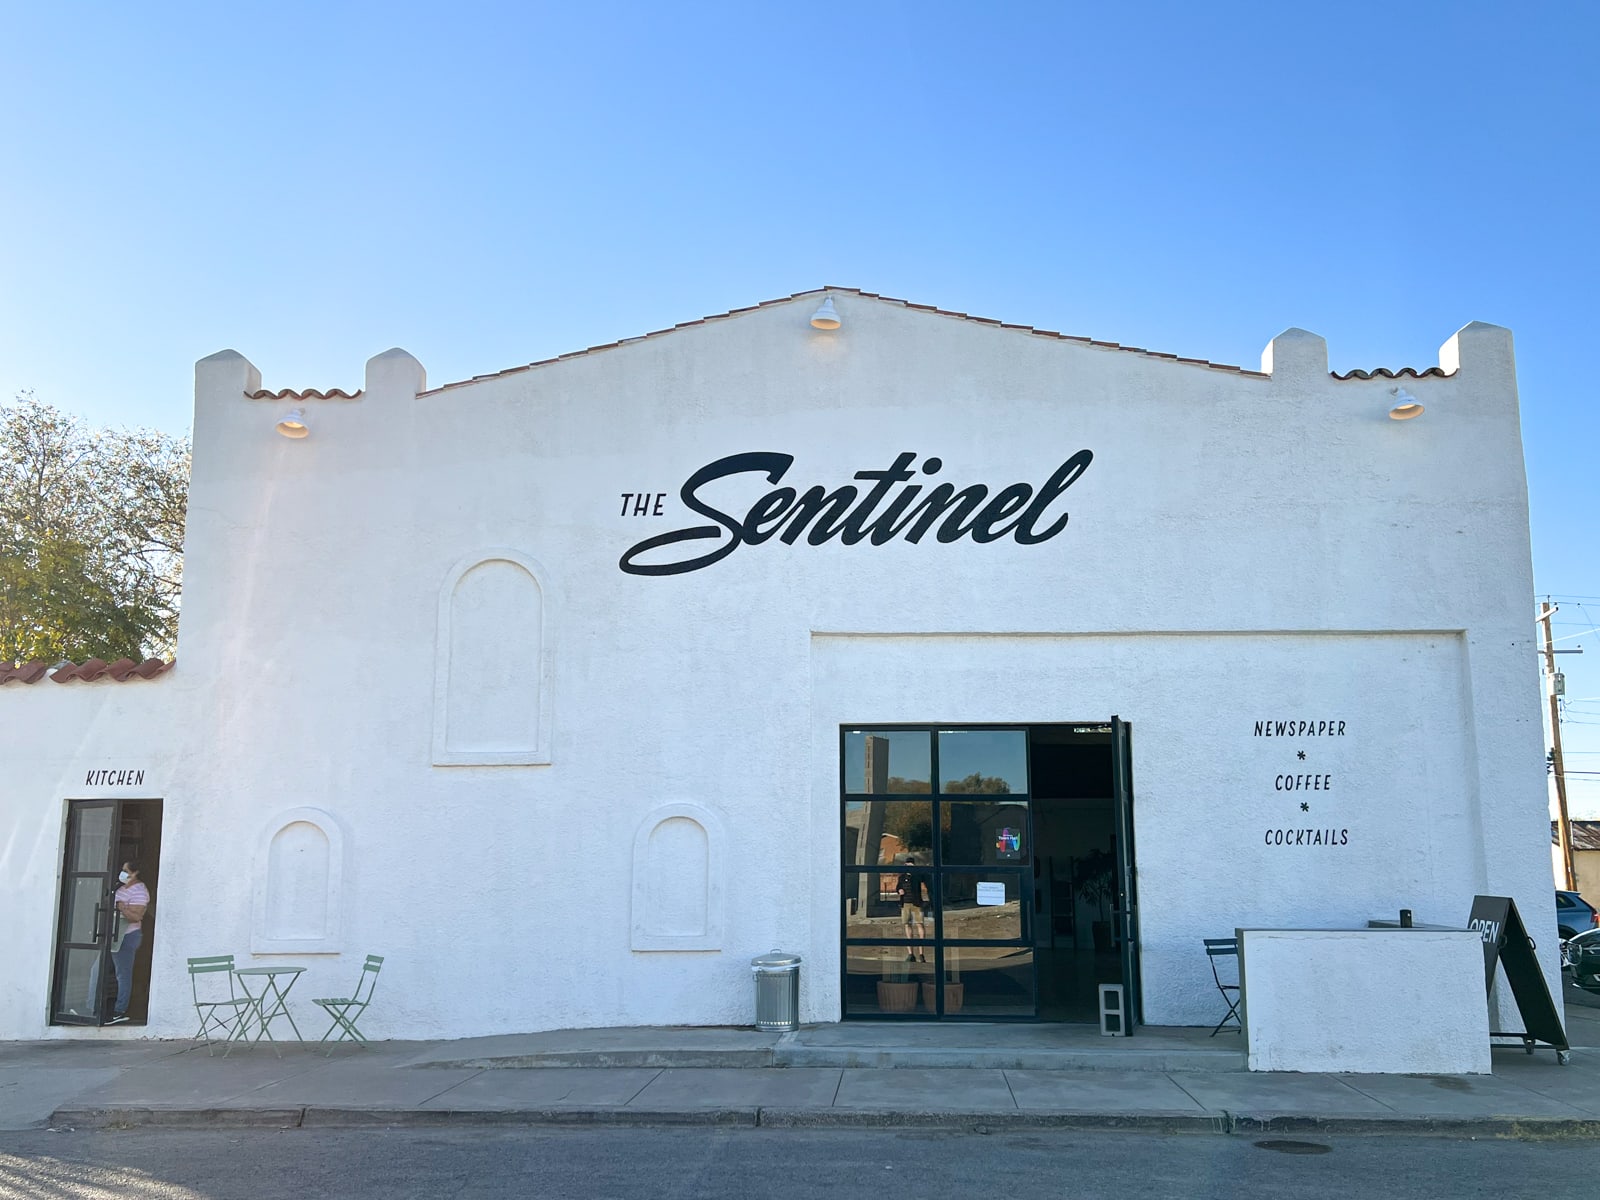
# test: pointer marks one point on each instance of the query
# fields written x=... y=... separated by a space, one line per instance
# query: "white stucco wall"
x=1364 y=1000
x=1241 y=549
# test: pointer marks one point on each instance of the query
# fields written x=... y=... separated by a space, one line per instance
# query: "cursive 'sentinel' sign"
x=853 y=515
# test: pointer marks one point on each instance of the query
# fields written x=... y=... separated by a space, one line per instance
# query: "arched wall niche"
x=491 y=679
x=299 y=885
x=678 y=879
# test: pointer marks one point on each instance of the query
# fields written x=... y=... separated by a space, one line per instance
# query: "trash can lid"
x=775 y=959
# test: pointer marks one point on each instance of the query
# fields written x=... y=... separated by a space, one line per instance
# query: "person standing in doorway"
x=912 y=892
x=132 y=901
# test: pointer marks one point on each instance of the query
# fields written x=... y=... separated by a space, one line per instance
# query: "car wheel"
x=1567 y=933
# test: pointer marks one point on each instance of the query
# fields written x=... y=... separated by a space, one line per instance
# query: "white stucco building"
x=560 y=690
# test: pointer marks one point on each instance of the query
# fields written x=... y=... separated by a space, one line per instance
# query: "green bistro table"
x=272 y=1001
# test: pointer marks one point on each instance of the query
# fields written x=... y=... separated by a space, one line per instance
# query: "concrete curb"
x=346 y=1118
x=607 y=1059
x=1226 y=1123
x=176 y=1118
x=987 y=1122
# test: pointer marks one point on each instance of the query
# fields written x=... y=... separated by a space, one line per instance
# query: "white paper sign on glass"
x=991 y=893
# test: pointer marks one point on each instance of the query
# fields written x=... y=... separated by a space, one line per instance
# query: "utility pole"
x=1563 y=825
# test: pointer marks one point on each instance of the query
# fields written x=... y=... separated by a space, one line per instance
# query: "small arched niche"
x=299 y=885
x=677 y=880
x=491 y=681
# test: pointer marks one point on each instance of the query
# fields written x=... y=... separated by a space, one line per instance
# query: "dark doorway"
x=101 y=836
x=1077 y=866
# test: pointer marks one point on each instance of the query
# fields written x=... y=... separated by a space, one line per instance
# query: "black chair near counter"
x=1225 y=948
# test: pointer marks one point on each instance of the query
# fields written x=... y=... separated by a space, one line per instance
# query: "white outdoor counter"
x=1394 y=1001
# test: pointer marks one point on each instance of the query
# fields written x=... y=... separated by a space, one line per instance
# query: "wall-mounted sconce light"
x=1406 y=405
x=293 y=424
x=825 y=317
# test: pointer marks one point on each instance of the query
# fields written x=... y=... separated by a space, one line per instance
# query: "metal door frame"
x=104 y=917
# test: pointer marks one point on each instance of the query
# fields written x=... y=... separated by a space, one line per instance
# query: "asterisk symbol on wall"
x=1301 y=756
x=1304 y=807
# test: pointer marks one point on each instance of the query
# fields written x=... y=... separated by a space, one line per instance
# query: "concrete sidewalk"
x=991 y=1076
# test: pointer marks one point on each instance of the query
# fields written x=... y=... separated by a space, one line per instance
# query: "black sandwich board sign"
x=1505 y=940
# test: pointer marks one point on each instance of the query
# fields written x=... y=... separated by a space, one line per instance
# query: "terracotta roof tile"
x=122 y=671
x=308 y=394
x=1403 y=372
x=846 y=291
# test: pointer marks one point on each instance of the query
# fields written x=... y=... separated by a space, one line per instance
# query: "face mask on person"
x=122 y=877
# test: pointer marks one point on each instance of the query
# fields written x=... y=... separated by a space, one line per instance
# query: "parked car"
x=1583 y=953
x=1574 y=914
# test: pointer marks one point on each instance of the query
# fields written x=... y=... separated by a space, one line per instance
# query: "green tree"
x=91 y=537
x=978 y=785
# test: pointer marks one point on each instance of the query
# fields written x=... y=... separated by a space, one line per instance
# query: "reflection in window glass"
x=986 y=762
x=891 y=906
x=94 y=839
x=878 y=980
x=887 y=762
x=879 y=832
x=989 y=981
x=984 y=833
x=982 y=904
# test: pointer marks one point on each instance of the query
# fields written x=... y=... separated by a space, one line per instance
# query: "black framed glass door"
x=987 y=871
x=937 y=885
x=102 y=835
x=1127 y=878
x=86 y=923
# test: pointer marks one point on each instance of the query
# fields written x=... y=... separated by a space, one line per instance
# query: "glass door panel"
x=890 y=906
x=888 y=762
x=83 y=933
x=884 y=981
x=956 y=828
x=983 y=761
x=984 y=833
x=983 y=906
x=988 y=981
x=1127 y=911
x=885 y=832
x=89 y=836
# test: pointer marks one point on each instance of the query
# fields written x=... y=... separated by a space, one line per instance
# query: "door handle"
x=97 y=934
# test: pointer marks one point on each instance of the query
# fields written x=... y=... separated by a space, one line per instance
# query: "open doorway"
x=102 y=835
x=1081 y=870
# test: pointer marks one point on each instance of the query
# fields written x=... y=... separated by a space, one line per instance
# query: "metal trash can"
x=777 y=977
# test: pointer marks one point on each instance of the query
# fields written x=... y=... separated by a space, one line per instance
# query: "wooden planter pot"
x=897 y=995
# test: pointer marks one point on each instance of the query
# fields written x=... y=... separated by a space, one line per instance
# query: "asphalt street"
x=713 y=1164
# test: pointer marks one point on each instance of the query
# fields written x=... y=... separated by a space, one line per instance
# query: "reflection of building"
x=573 y=645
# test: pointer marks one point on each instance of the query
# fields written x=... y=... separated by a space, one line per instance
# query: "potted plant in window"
x=897 y=991
x=1095 y=884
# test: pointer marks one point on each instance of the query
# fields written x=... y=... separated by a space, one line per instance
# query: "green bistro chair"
x=229 y=1016
x=1232 y=994
x=347 y=1010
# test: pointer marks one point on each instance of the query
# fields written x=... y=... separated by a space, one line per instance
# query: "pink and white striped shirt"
x=132 y=893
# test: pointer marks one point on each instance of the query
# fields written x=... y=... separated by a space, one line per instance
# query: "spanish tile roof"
x=845 y=291
x=1403 y=372
x=123 y=670
x=1585 y=835
x=308 y=394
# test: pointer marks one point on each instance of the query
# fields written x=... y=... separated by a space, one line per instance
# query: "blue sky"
x=488 y=184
